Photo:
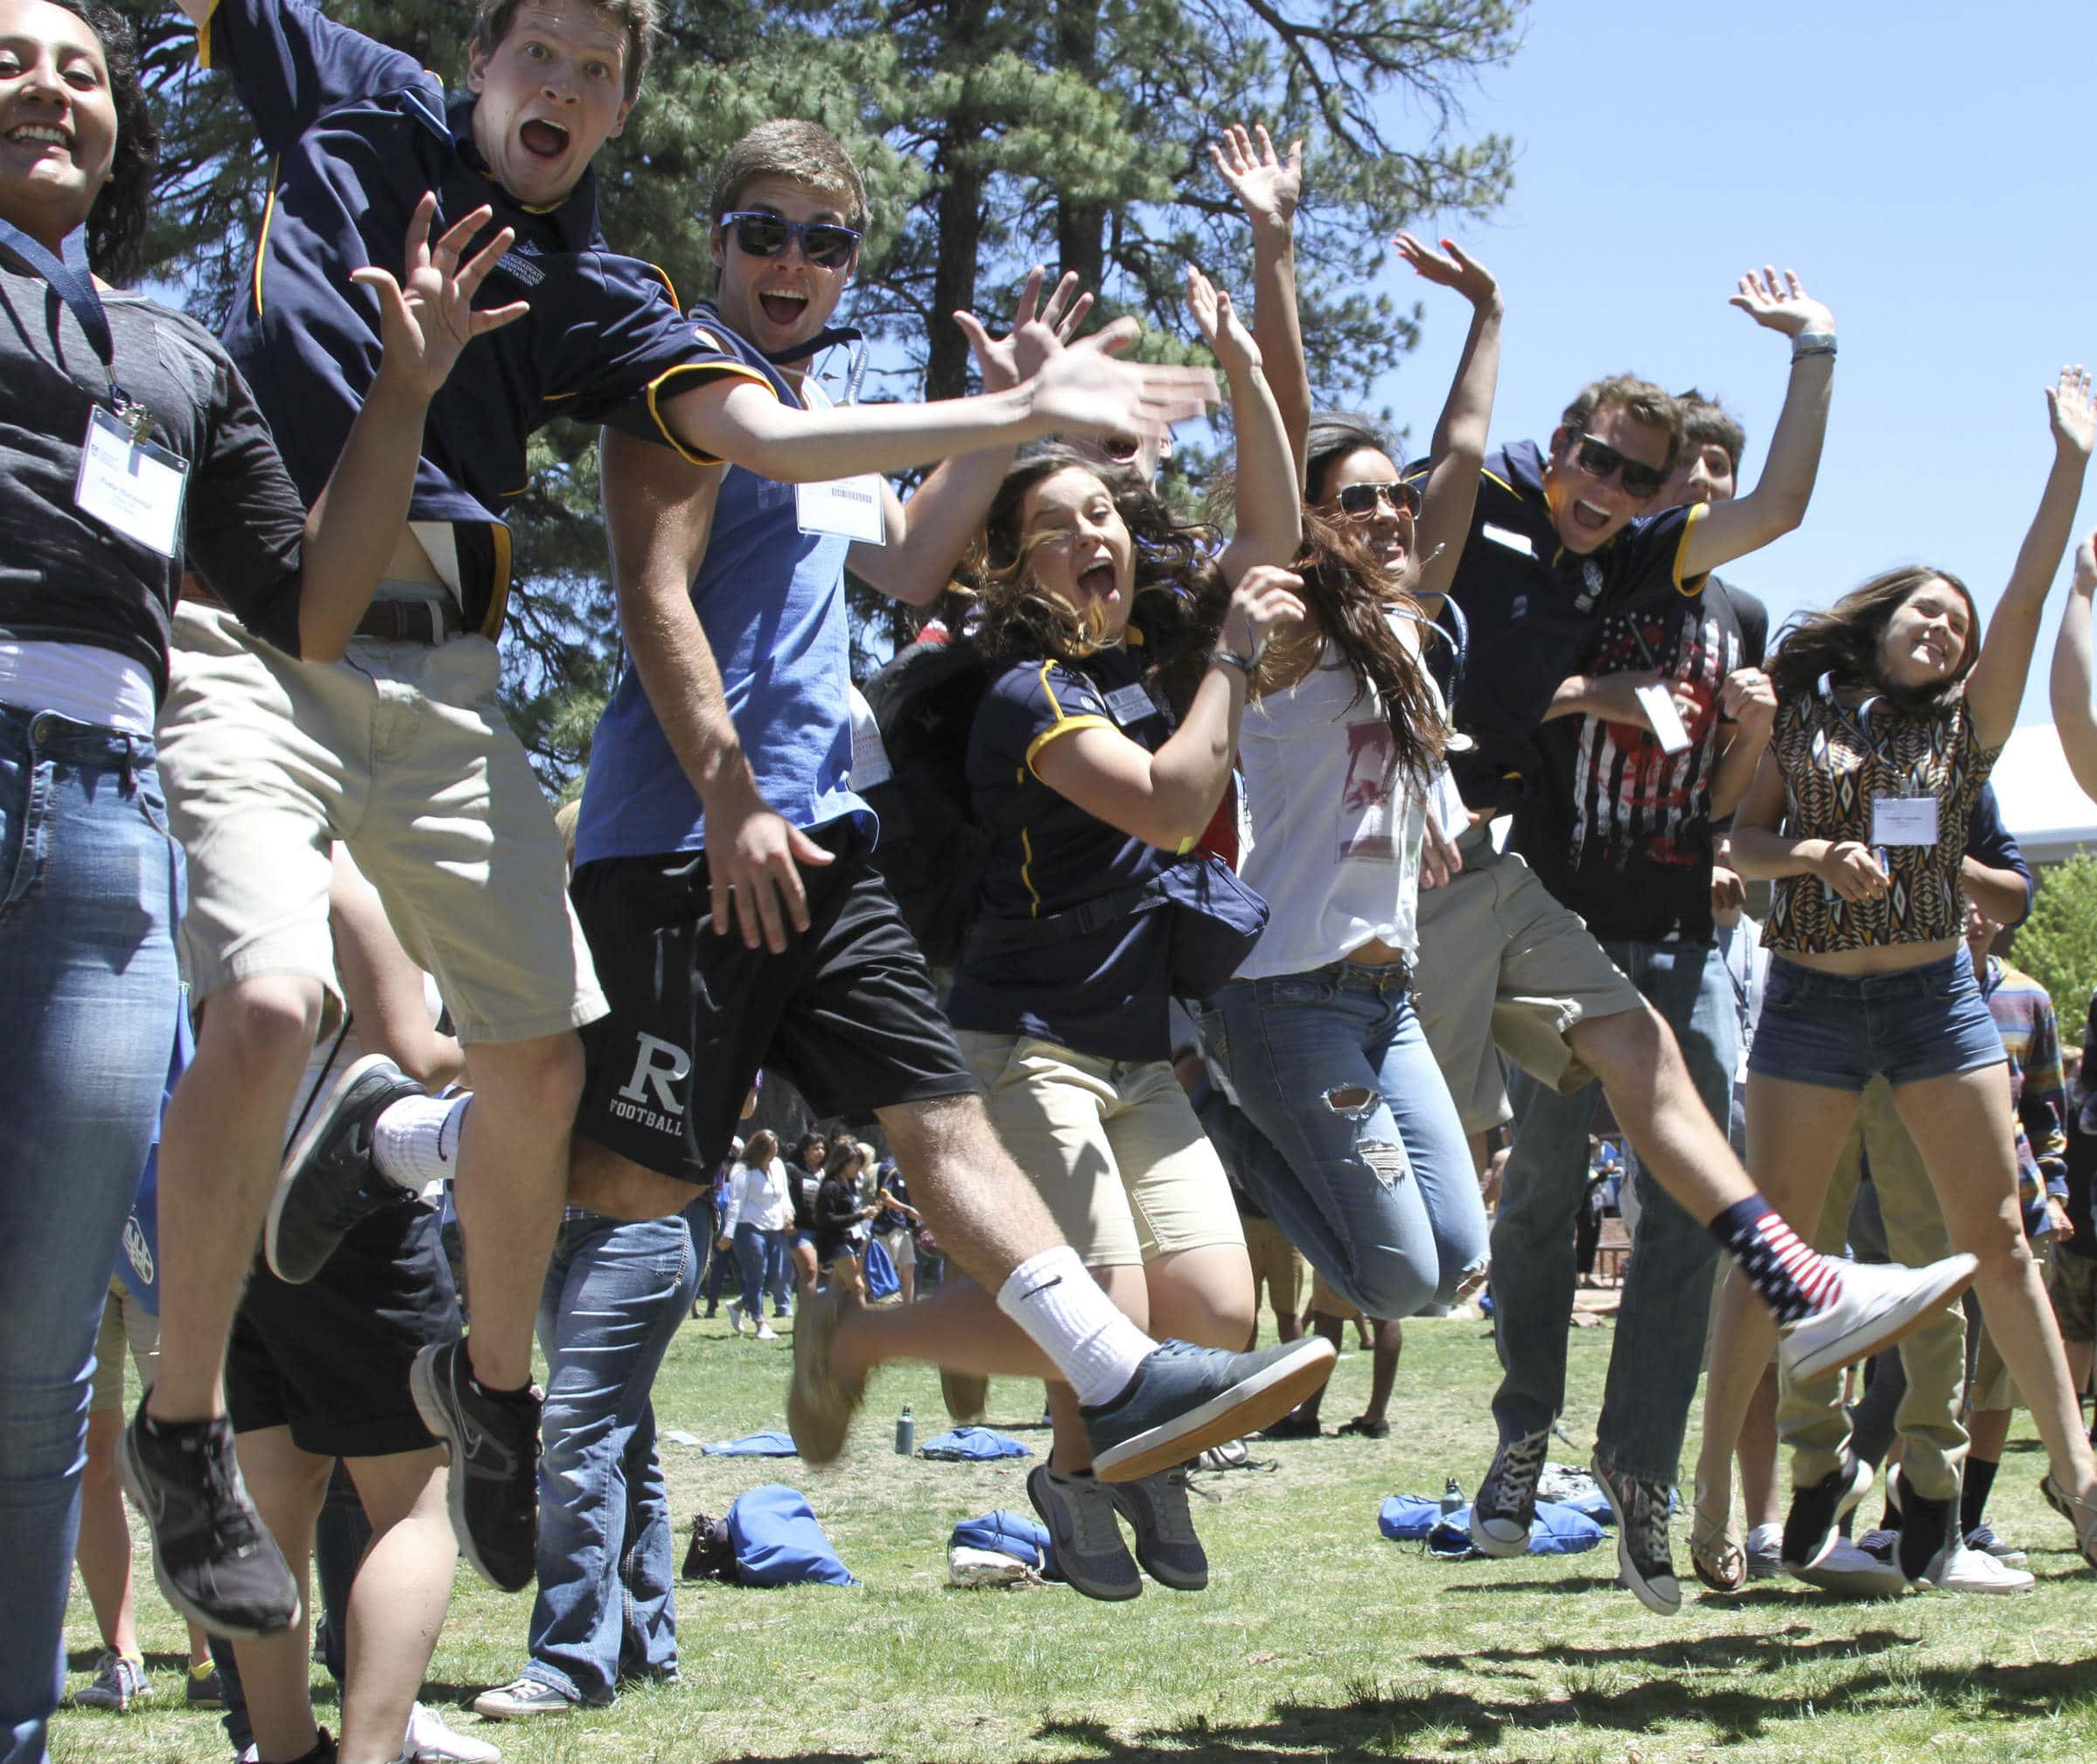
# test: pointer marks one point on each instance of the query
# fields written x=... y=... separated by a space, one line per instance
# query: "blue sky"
x=1928 y=174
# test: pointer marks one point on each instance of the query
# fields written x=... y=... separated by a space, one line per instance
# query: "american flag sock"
x=1794 y=1279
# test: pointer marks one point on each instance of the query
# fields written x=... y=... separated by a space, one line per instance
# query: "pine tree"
x=991 y=137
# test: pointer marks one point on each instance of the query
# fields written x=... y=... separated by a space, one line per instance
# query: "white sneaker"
x=734 y=1317
x=430 y=1742
x=1854 y=1573
x=520 y=1697
x=1878 y=1304
x=1975 y=1571
x=765 y=1332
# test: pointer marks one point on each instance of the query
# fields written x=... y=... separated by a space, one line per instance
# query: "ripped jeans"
x=1366 y=1169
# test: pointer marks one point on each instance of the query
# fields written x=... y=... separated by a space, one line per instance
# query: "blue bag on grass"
x=972 y=1445
x=881 y=1271
x=1555 y=1530
x=766 y=1444
x=1018 y=1535
x=778 y=1541
x=1408 y=1518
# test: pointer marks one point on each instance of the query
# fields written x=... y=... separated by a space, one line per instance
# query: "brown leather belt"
x=408 y=621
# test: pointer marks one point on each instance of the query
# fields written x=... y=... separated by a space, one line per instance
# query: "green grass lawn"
x=1316 y=1639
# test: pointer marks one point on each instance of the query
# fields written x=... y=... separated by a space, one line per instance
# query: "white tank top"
x=1335 y=835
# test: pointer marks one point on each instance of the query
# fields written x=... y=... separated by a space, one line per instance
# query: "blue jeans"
x=1376 y=1189
x=1843 y=1030
x=754 y=1250
x=1659 y=1346
x=779 y=1272
x=87 y=905
x=615 y=1293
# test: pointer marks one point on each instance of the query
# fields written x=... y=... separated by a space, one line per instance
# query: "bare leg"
x=221 y=1144
x=2079 y=1355
x=1334 y=1330
x=1963 y=1127
x=1758 y=1451
x=398 y=1599
x=906 y=1281
x=287 y=1486
x=104 y=1550
x=1383 y=1367
x=513 y=1172
x=988 y=1216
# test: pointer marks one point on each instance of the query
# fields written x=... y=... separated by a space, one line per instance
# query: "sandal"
x=2080 y=1513
x=1715 y=1550
x=1367 y=1429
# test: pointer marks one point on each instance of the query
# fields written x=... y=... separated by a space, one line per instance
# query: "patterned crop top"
x=1836 y=762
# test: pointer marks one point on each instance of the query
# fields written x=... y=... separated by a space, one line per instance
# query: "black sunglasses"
x=1599 y=459
x=1360 y=500
x=824 y=243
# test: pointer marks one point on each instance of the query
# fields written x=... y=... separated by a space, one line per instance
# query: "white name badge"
x=1659 y=704
x=844 y=508
x=1507 y=537
x=1903 y=820
x=1128 y=704
x=133 y=488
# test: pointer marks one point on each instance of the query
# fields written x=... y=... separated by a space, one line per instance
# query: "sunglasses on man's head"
x=1599 y=459
x=824 y=243
x=1360 y=500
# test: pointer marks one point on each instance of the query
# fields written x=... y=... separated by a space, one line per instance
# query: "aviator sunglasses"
x=1599 y=459
x=824 y=243
x=1360 y=500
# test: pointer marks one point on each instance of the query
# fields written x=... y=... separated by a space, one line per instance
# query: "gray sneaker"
x=1185 y=1399
x=118 y=1683
x=1079 y=1512
x=1156 y=1508
x=1506 y=1499
x=1643 y=1555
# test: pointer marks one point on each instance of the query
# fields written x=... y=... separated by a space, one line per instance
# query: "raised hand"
x=1037 y=331
x=1781 y=302
x=1458 y=270
x=1265 y=600
x=1086 y=393
x=2074 y=419
x=1267 y=187
x=427 y=322
x=1221 y=330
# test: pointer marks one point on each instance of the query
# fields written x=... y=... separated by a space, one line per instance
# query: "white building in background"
x=2043 y=807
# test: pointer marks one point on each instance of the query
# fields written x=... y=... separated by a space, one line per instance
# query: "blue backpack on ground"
x=768 y=1444
x=1555 y=1530
x=778 y=1541
x=881 y=1271
x=972 y=1445
x=1018 y=1535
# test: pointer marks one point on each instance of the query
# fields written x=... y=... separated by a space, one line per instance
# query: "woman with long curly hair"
x=1892 y=710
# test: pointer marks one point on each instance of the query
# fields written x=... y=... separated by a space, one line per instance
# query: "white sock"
x=415 y=1141
x=1071 y=1319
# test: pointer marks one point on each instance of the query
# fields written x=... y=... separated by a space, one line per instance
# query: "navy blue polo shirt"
x=1107 y=993
x=360 y=132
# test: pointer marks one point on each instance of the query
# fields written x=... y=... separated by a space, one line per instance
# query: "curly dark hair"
x=116 y=224
x=1844 y=640
x=1178 y=596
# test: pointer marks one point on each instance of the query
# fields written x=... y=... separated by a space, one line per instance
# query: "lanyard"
x=72 y=282
x=1861 y=724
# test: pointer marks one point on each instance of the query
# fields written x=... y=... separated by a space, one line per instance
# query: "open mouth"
x=784 y=307
x=1098 y=581
x=40 y=135
x=541 y=139
x=1588 y=518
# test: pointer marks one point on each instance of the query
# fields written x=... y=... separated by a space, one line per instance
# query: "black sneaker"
x=1810 y=1527
x=494 y=1443
x=328 y=1184
x=1643 y=1555
x=1506 y=1499
x=1926 y=1534
x=215 y=1560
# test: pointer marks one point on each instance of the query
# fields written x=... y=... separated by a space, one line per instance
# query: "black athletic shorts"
x=849 y=1015
x=329 y=1359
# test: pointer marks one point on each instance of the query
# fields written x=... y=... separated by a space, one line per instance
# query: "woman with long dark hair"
x=132 y=451
x=1891 y=709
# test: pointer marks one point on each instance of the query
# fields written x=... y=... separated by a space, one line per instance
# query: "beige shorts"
x=1112 y=1146
x=1993 y=1387
x=1277 y=1266
x=125 y=1324
x=902 y=1247
x=2072 y=1283
x=1327 y=1302
x=1503 y=965
x=402 y=751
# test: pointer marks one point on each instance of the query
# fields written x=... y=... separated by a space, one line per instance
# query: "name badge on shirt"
x=1903 y=820
x=1507 y=537
x=1128 y=704
x=1659 y=704
x=844 y=508
x=131 y=487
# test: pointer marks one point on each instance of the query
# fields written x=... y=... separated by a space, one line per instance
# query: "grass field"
x=1316 y=1639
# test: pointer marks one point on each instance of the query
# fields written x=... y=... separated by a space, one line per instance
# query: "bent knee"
x=542 y=1077
x=266 y=1020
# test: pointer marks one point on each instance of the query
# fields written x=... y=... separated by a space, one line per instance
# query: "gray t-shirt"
x=66 y=577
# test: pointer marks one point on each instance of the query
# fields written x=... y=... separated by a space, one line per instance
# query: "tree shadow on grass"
x=1397 y=1722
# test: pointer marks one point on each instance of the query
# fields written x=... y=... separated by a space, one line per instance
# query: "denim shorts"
x=1843 y=1030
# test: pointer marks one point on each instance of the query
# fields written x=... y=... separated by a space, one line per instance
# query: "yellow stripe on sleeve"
x=728 y=370
x=1695 y=585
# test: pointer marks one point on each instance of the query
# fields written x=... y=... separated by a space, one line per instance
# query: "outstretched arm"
x=1459 y=443
x=2073 y=719
x=1777 y=504
x=1269 y=504
x=1997 y=684
x=1268 y=186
